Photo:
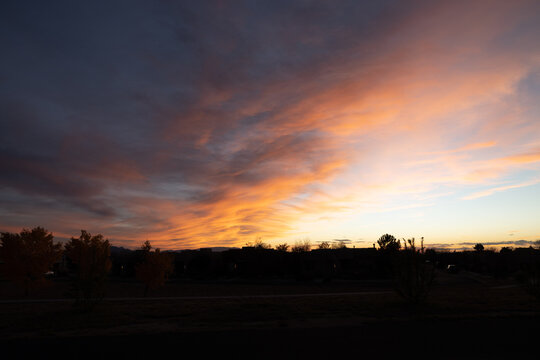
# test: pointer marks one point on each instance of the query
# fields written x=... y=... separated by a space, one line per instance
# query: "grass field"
x=463 y=307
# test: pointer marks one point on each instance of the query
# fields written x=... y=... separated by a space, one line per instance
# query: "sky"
x=217 y=123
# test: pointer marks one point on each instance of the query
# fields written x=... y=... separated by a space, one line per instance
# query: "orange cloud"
x=523 y=158
x=423 y=103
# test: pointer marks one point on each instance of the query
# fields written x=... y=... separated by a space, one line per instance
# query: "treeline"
x=29 y=257
x=88 y=261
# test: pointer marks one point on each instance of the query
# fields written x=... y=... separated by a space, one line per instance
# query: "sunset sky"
x=214 y=123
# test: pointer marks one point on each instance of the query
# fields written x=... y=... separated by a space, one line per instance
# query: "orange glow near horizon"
x=427 y=127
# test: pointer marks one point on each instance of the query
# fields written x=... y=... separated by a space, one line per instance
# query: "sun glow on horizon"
x=411 y=121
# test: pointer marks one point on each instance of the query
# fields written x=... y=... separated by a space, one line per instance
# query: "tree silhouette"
x=324 y=245
x=302 y=246
x=282 y=247
x=154 y=268
x=27 y=256
x=413 y=275
x=90 y=257
x=259 y=244
x=388 y=242
x=505 y=250
x=339 y=245
x=479 y=247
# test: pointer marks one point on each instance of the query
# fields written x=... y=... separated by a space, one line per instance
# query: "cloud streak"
x=213 y=124
x=470 y=245
x=499 y=188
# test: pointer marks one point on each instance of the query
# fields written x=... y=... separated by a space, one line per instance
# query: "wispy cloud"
x=491 y=191
x=470 y=245
x=202 y=124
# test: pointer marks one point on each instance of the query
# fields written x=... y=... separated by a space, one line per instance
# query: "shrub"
x=324 y=245
x=339 y=245
x=282 y=247
x=259 y=244
x=302 y=246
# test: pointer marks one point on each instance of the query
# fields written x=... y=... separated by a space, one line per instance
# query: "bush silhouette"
x=324 y=245
x=282 y=247
x=155 y=267
x=259 y=244
x=301 y=246
x=90 y=258
x=27 y=256
x=339 y=245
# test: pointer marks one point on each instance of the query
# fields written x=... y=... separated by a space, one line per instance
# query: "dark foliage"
x=155 y=267
x=479 y=247
x=28 y=256
x=413 y=273
x=388 y=242
x=89 y=256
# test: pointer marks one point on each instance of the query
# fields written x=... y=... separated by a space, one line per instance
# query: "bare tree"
x=259 y=244
x=302 y=246
x=413 y=275
x=339 y=245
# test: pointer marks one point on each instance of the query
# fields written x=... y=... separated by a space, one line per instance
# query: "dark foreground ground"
x=466 y=316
